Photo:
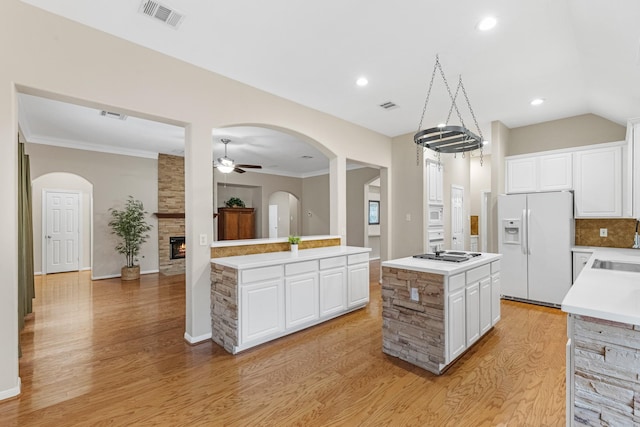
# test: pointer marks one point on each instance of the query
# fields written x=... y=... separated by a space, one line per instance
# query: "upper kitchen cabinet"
x=434 y=184
x=532 y=173
x=633 y=164
x=598 y=182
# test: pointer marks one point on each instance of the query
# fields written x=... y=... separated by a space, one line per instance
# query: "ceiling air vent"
x=113 y=115
x=388 y=105
x=161 y=12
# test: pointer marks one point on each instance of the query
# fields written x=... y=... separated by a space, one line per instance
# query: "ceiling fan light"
x=226 y=168
x=225 y=161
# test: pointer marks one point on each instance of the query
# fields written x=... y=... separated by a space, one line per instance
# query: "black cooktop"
x=449 y=256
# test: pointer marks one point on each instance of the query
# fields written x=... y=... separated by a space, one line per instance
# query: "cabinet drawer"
x=300 y=267
x=338 y=261
x=478 y=273
x=495 y=267
x=456 y=282
x=262 y=273
x=358 y=258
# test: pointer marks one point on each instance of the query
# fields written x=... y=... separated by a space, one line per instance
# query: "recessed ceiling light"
x=362 y=81
x=537 y=101
x=441 y=125
x=487 y=23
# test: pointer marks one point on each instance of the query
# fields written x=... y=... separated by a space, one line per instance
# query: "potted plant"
x=131 y=227
x=234 y=202
x=293 y=241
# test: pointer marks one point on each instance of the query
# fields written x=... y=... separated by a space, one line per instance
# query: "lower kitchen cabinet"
x=472 y=298
x=358 y=291
x=333 y=291
x=302 y=302
x=495 y=292
x=485 y=305
x=457 y=325
x=263 y=309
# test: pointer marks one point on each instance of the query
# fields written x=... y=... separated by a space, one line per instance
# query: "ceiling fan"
x=227 y=165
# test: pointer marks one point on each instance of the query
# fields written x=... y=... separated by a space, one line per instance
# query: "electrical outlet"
x=407 y=217
x=414 y=294
x=203 y=240
x=603 y=232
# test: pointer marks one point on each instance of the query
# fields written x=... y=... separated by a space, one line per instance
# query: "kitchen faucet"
x=636 y=239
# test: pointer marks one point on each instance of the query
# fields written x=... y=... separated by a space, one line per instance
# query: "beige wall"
x=315 y=203
x=114 y=178
x=54 y=182
x=564 y=133
x=357 y=205
x=480 y=180
x=56 y=57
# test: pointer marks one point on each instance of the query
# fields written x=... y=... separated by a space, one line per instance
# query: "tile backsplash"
x=620 y=232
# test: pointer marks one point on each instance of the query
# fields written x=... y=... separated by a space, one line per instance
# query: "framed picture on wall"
x=374 y=212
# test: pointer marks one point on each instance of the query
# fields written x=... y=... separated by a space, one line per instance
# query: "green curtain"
x=26 y=291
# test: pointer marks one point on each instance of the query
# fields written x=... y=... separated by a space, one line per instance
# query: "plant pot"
x=294 y=249
x=130 y=273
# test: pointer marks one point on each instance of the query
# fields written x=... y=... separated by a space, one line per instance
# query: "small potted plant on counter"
x=293 y=241
x=131 y=227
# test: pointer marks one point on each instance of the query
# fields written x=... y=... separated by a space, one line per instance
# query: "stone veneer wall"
x=223 y=251
x=170 y=200
x=413 y=330
x=606 y=372
x=224 y=306
x=620 y=232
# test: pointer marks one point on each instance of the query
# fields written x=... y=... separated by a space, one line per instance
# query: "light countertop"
x=275 y=258
x=226 y=243
x=441 y=267
x=607 y=294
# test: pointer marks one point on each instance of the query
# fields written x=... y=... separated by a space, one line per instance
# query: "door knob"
x=48 y=237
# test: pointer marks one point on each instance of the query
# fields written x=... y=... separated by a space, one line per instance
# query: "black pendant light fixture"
x=447 y=138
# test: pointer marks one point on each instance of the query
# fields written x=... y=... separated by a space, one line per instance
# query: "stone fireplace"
x=170 y=213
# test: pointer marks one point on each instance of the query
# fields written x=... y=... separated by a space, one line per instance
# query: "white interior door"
x=457 y=218
x=62 y=231
x=273 y=221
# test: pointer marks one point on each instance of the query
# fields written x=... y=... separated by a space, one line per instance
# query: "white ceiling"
x=582 y=56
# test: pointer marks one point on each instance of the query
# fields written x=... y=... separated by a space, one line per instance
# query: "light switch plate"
x=603 y=232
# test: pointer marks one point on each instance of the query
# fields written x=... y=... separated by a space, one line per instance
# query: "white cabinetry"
x=531 y=173
x=333 y=286
x=301 y=293
x=580 y=259
x=358 y=279
x=456 y=316
x=495 y=292
x=485 y=305
x=633 y=165
x=472 y=302
x=598 y=182
x=263 y=304
x=434 y=184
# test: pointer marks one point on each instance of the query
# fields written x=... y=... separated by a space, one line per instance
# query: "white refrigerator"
x=535 y=235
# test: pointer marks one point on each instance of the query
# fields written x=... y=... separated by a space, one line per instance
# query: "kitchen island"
x=433 y=311
x=260 y=297
x=603 y=347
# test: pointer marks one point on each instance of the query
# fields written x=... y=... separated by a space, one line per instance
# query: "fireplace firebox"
x=178 y=247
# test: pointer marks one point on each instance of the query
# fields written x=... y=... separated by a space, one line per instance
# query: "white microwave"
x=436 y=216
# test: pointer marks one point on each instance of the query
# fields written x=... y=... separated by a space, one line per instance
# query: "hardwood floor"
x=112 y=353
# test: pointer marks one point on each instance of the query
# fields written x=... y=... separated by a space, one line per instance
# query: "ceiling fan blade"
x=237 y=169
x=249 y=166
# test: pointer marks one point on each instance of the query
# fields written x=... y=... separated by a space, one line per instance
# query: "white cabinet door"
x=301 y=296
x=434 y=186
x=485 y=305
x=495 y=298
x=262 y=310
x=456 y=319
x=358 y=280
x=333 y=291
x=580 y=259
x=555 y=172
x=598 y=182
x=473 y=313
x=521 y=175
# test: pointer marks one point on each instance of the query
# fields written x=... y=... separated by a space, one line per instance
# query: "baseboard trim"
x=85 y=269
x=196 y=340
x=37 y=273
x=12 y=392
x=113 y=276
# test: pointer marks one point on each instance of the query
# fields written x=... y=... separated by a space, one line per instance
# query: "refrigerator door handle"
x=528 y=225
x=524 y=242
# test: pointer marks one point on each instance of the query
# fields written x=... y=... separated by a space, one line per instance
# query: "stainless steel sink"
x=616 y=265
